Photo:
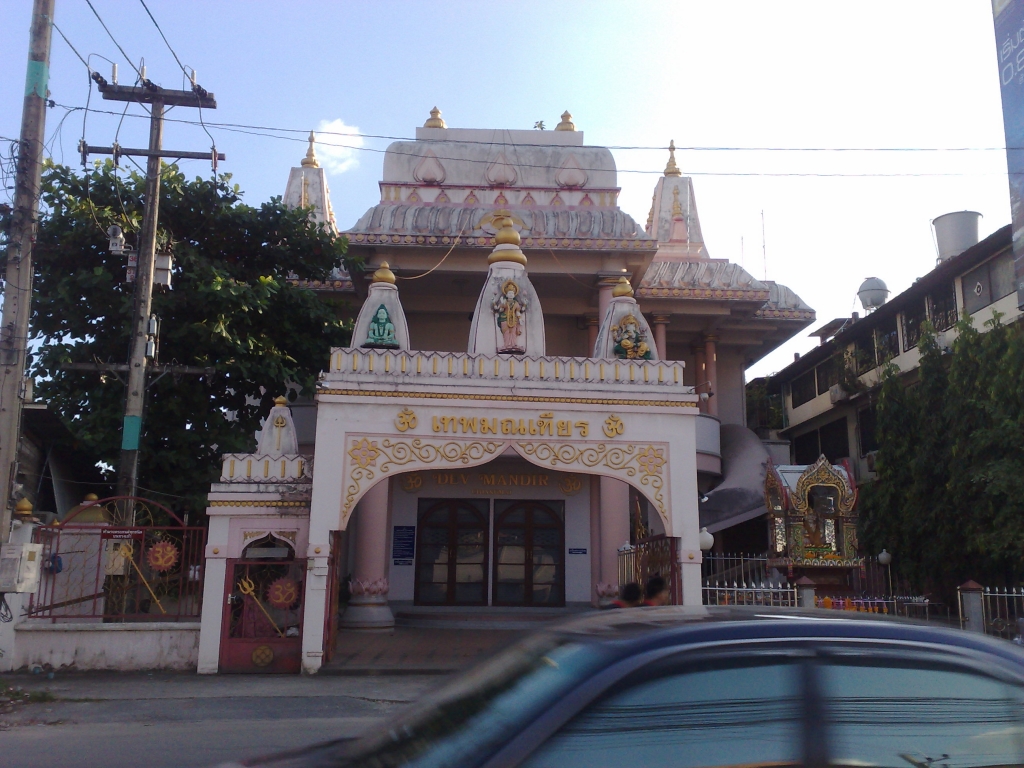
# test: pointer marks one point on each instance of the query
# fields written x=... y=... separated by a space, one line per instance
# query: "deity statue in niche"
x=508 y=310
x=630 y=340
x=820 y=509
x=381 y=332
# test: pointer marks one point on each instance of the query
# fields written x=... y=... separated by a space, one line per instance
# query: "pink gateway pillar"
x=368 y=607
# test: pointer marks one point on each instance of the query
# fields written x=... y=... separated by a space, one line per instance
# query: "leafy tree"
x=949 y=497
x=231 y=308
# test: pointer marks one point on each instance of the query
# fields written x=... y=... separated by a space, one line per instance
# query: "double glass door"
x=529 y=553
x=456 y=553
x=451 y=552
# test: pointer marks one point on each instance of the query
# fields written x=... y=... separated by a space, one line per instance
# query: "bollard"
x=805 y=592
x=972 y=607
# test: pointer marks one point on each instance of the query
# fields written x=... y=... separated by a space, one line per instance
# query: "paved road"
x=178 y=720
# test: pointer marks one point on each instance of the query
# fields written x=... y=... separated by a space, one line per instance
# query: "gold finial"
x=567 y=123
x=435 y=120
x=383 y=274
x=622 y=288
x=90 y=497
x=677 y=209
x=280 y=401
x=309 y=161
x=23 y=507
x=671 y=169
x=506 y=236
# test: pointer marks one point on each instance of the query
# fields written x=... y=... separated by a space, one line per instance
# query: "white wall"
x=122 y=647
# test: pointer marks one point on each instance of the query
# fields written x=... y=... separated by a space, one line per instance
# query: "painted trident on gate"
x=247 y=587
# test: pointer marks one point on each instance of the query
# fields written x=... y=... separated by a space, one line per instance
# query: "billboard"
x=1009 y=24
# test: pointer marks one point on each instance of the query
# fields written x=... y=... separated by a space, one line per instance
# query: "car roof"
x=634 y=630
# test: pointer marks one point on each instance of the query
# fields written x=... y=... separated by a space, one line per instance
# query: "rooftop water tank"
x=955 y=232
x=872 y=294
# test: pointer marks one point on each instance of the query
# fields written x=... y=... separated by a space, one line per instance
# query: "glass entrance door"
x=529 y=553
x=451 y=552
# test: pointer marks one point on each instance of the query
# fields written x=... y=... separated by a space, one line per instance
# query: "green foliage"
x=949 y=497
x=231 y=308
x=764 y=404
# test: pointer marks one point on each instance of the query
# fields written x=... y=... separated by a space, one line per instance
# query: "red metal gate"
x=262 y=626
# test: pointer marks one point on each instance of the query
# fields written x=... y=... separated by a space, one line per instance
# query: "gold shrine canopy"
x=812 y=514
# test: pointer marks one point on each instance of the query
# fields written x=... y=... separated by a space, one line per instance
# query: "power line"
x=54 y=25
x=150 y=14
x=111 y=36
x=302 y=132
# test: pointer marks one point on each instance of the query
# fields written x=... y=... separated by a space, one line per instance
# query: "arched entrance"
x=529 y=553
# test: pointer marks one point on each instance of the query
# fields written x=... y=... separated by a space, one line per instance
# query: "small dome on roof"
x=872 y=293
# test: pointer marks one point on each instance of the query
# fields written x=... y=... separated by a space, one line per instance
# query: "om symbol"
x=406 y=420
x=613 y=426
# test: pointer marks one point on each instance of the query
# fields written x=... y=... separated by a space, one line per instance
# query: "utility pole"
x=18 y=290
x=138 y=361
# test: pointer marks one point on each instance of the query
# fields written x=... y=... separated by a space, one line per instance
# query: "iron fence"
x=111 y=571
x=653 y=556
x=1003 y=610
x=783 y=595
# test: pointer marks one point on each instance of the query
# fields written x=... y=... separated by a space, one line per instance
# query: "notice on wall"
x=577 y=551
x=1009 y=25
x=403 y=544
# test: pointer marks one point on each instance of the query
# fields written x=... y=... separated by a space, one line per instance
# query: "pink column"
x=614 y=533
x=368 y=607
x=604 y=296
x=595 y=539
x=660 y=321
x=701 y=377
x=592 y=326
x=712 y=365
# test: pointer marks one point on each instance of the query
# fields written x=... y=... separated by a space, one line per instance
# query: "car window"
x=898 y=715
x=734 y=715
x=478 y=711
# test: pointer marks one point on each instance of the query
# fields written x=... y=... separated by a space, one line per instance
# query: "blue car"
x=694 y=687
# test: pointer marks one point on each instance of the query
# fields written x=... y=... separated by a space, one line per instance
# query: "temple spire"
x=671 y=169
x=310 y=161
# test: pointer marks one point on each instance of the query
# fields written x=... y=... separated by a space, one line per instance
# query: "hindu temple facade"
x=529 y=371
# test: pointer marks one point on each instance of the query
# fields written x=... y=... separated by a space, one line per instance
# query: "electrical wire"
x=798 y=174
x=111 y=36
x=150 y=14
x=54 y=25
x=695 y=148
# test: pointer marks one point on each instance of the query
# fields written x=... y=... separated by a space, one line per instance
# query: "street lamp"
x=707 y=540
x=884 y=558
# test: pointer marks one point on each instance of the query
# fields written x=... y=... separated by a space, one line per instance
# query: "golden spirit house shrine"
x=495 y=476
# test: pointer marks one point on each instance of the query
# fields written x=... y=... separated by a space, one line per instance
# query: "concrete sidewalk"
x=415 y=650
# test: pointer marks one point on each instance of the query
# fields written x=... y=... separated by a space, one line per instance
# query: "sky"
x=734 y=76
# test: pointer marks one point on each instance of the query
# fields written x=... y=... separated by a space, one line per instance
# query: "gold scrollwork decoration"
x=399 y=453
x=613 y=426
x=405 y=420
x=627 y=460
x=822 y=473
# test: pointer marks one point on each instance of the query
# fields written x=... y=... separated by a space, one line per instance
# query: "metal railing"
x=653 y=556
x=1003 y=610
x=112 y=571
x=781 y=595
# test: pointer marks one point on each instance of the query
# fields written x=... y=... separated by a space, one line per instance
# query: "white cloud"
x=337 y=145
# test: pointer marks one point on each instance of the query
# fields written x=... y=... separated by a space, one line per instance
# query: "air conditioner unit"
x=19 y=567
x=837 y=394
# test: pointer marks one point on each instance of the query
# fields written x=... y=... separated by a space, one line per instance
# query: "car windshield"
x=481 y=709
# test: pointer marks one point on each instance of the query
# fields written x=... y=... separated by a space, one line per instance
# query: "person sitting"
x=656 y=592
x=629 y=596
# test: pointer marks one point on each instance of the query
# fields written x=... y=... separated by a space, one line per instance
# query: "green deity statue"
x=381 y=332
